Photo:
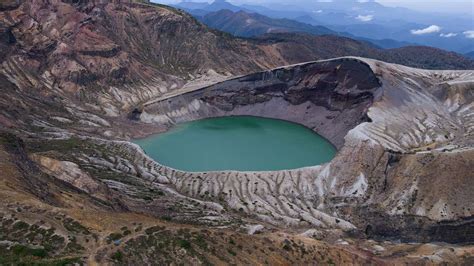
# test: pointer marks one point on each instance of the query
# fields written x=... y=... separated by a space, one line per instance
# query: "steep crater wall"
x=329 y=97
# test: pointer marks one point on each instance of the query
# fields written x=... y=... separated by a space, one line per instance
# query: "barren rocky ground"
x=79 y=79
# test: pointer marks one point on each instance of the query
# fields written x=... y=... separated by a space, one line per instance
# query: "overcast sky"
x=451 y=6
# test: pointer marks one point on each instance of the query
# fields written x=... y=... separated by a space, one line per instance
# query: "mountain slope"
x=86 y=50
x=245 y=24
x=426 y=57
x=208 y=7
x=297 y=47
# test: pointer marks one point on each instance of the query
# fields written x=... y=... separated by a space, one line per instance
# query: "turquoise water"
x=242 y=143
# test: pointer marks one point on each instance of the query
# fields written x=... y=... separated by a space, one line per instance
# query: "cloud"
x=365 y=18
x=430 y=29
x=469 y=34
x=448 y=35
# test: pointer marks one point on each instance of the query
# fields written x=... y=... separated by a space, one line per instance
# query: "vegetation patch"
x=117 y=256
x=73 y=226
x=114 y=237
x=25 y=255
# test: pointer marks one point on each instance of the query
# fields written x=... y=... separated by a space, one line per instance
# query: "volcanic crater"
x=340 y=99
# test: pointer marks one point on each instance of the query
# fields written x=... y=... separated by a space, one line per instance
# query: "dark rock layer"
x=342 y=90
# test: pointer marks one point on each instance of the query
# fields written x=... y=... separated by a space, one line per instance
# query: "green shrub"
x=117 y=256
x=24 y=251
x=184 y=243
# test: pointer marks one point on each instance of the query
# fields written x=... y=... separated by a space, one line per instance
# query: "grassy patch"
x=20 y=225
x=24 y=251
x=24 y=255
x=114 y=237
x=73 y=226
x=117 y=256
x=74 y=248
x=10 y=141
x=200 y=241
x=21 y=231
x=154 y=229
x=62 y=145
x=231 y=252
x=184 y=243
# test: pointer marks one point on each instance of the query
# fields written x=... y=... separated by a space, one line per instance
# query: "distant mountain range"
x=245 y=24
x=363 y=20
x=470 y=55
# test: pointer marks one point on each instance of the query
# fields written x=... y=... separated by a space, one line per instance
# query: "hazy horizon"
x=438 y=6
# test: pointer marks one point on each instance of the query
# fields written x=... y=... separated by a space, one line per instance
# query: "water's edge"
x=257 y=144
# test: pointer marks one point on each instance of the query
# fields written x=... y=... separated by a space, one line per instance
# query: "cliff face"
x=329 y=97
x=73 y=73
